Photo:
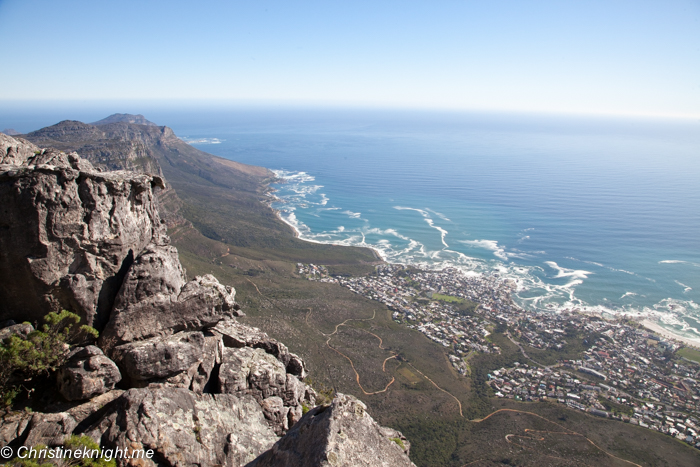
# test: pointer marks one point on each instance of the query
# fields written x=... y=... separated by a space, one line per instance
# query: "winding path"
x=565 y=431
x=352 y=364
x=435 y=384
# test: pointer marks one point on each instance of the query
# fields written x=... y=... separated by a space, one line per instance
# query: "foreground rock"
x=86 y=374
x=183 y=360
x=237 y=335
x=198 y=387
x=78 y=233
x=184 y=428
x=342 y=434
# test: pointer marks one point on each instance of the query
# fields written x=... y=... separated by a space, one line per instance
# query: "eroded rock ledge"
x=192 y=383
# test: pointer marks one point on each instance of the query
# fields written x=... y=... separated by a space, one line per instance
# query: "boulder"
x=254 y=372
x=237 y=335
x=183 y=360
x=185 y=429
x=50 y=429
x=342 y=434
x=13 y=426
x=15 y=151
x=87 y=373
x=200 y=303
x=159 y=358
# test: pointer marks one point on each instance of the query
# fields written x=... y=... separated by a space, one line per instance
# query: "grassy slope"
x=236 y=237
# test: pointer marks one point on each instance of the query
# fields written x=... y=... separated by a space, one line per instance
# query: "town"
x=623 y=371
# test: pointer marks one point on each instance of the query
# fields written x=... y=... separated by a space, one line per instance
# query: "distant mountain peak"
x=124 y=118
x=10 y=132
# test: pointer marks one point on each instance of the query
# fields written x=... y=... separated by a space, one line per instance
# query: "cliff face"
x=69 y=233
x=194 y=385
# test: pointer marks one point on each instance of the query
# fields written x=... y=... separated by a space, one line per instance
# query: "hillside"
x=219 y=219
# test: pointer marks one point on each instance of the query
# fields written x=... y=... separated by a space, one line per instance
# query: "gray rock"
x=184 y=360
x=87 y=373
x=251 y=371
x=12 y=426
x=238 y=335
x=50 y=429
x=254 y=372
x=15 y=151
x=342 y=434
x=159 y=358
x=78 y=234
x=21 y=330
x=200 y=303
x=185 y=429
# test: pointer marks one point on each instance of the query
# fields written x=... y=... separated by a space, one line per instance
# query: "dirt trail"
x=352 y=364
x=565 y=431
x=435 y=384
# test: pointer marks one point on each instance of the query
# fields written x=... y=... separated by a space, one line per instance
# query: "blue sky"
x=613 y=56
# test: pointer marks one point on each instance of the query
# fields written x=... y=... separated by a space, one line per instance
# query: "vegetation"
x=23 y=360
x=227 y=231
x=688 y=353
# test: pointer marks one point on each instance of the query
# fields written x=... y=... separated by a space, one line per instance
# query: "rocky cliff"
x=173 y=370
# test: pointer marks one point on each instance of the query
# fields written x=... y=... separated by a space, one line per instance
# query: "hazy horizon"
x=621 y=58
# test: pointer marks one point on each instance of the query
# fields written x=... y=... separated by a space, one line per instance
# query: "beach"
x=658 y=329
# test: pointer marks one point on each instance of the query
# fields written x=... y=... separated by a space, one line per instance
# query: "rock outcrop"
x=87 y=373
x=342 y=434
x=185 y=428
x=83 y=232
x=194 y=385
x=237 y=335
x=68 y=233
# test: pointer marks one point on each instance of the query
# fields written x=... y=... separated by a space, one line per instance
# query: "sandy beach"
x=652 y=326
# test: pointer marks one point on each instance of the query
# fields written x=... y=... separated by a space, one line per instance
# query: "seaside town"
x=623 y=371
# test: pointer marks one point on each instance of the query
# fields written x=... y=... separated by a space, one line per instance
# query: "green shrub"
x=44 y=350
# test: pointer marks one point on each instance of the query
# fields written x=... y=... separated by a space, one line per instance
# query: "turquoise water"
x=595 y=214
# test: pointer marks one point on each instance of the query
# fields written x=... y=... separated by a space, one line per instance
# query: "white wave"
x=429 y=221
x=393 y=232
x=628 y=294
x=685 y=287
x=565 y=272
x=678 y=261
x=202 y=140
x=352 y=215
x=440 y=215
x=587 y=262
x=306 y=189
x=288 y=175
x=421 y=211
x=443 y=232
x=488 y=245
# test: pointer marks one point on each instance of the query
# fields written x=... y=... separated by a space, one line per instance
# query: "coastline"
x=658 y=329
x=646 y=322
x=298 y=234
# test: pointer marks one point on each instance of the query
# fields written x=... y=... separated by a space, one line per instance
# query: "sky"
x=633 y=57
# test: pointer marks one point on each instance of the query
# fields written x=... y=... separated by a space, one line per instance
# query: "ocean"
x=599 y=214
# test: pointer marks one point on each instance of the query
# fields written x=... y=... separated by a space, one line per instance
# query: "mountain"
x=199 y=178
x=10 y=132
x=124 y=118
x=174 y=372
x=219 y=219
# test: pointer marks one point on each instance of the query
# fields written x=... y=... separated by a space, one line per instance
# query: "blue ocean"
x=599 y=214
